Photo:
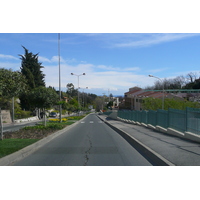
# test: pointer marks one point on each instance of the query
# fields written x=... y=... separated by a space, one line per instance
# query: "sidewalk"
x=177 y=151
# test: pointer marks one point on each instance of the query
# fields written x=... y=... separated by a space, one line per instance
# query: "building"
x=134 y=97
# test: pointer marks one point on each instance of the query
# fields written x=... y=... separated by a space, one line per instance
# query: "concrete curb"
x=153 y=156
x=22 y=153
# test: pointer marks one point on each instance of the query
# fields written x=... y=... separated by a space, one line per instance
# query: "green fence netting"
x=180 y=120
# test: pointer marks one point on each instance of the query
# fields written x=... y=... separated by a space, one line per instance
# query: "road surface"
x=90 y=143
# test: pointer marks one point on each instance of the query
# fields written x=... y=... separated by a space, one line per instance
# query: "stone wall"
x=6 y=117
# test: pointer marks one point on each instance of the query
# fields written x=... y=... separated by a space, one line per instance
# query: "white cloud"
x=118 y=81
x=152 y=39
x=43 y=59
x=114 y=80
x=109 y=68
x=8 y=57
x=104 y=67
x=68 y=60
x=132 y=69
x=8 y=65
x=54 y=59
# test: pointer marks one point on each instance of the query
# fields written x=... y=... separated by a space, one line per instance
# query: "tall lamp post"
x=78 y=85
x=162 y=89
x=83 y=95
x=60 y=107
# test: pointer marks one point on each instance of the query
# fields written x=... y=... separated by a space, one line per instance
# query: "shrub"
x=58 y=120
x=20 y=114
x=154 y=104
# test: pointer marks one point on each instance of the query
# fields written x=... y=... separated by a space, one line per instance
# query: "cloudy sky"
x=117 y=44
x=113 y=62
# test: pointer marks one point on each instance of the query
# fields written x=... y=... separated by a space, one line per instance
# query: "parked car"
x=53 y=114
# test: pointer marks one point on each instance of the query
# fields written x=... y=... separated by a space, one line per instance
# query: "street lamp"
x=60 y=107
x=83 y=95
x=78 y=85
x=163 y=89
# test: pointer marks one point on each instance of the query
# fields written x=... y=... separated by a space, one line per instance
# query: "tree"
x=43 y=98
x=100 y=103
x=109 y=105
x=71 y=91
x=31 y=69
x=178 y=82
x=91 y=98
x=11 y=85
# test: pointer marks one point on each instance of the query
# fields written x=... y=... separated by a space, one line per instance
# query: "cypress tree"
x=31 y=69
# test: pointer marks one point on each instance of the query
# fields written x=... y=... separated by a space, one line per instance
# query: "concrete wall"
x=6 y=117
x=27 y=119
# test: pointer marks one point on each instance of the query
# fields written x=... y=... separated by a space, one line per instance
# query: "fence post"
x=186 y=119
x=1 y=126
x=168 y=123
x=156 y=117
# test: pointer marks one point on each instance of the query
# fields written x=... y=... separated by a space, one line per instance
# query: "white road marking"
x=92 y=122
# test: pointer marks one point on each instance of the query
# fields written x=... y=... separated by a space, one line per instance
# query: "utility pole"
x=60 y=106
x=1 y=125
x=13 y=110
x=163 y=89
x=109 y=94
x=103 y=100
x=78 y=86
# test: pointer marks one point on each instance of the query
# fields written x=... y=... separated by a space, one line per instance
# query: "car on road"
x=53 y=114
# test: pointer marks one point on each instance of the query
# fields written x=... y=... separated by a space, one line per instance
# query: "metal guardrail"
x=180 y=120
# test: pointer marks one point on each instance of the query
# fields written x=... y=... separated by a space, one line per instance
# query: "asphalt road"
x=90 y=143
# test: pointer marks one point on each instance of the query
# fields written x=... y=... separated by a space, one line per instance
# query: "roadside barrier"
x=182 y=123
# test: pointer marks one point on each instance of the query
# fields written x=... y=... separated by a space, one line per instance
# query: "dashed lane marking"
x=92 y=122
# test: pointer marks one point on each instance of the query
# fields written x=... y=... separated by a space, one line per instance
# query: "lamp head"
x=72 y=74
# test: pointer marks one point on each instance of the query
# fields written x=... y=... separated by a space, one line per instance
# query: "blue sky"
x=112 y=61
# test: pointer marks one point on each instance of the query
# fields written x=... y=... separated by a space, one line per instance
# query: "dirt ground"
x=28 y=134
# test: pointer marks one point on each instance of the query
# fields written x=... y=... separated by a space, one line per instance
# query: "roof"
x=139 y=92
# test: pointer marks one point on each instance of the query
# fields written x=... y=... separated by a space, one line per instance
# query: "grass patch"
x=8 y=146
